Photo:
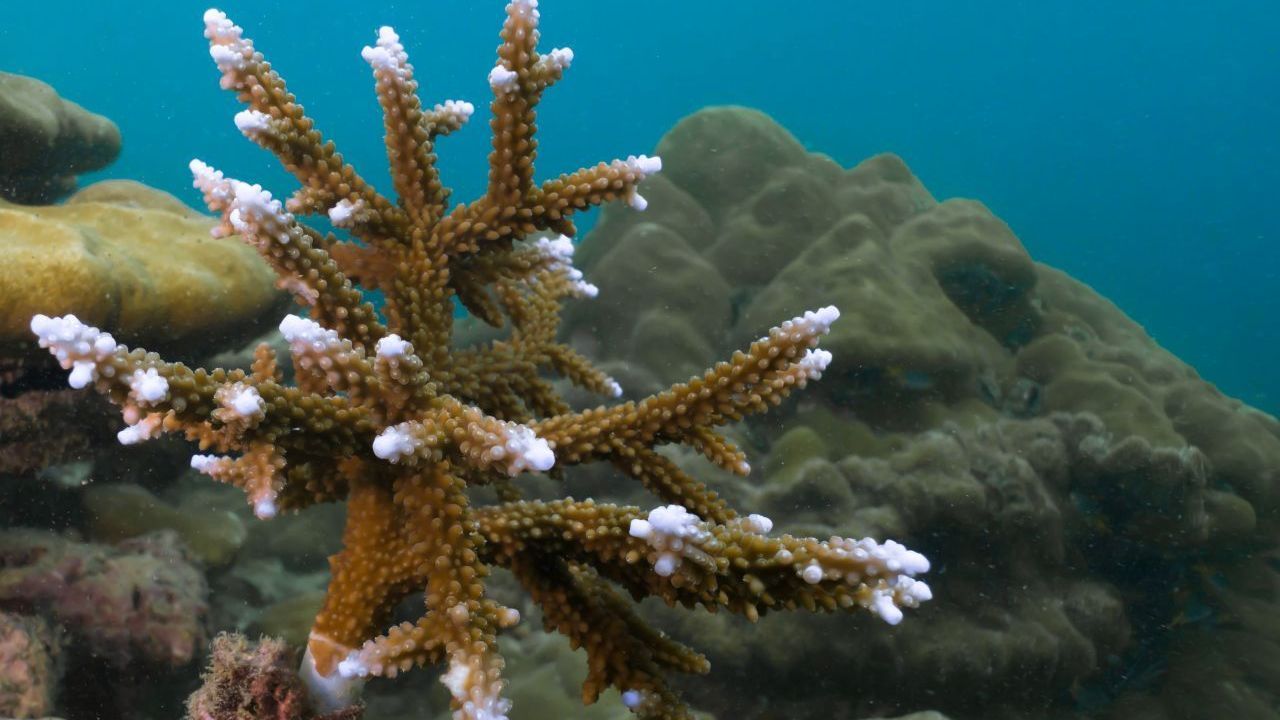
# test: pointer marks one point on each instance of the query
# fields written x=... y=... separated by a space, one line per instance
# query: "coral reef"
x=121 y=254
x=139 y=601
x=46 y=141
x=135 y=261
x=1098 y=516
x=30 y=666
x=388 y=415
x=255 y=681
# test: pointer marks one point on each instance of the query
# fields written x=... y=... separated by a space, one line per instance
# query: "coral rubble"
x=139 y=601
x=46 y=141
x=388 y=415
x=29 y=666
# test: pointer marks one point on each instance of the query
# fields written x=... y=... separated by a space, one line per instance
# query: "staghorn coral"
x=387 y=415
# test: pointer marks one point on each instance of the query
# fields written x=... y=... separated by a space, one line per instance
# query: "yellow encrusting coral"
x=388 y=416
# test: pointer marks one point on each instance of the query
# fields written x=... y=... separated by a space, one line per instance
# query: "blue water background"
x=1132 y=144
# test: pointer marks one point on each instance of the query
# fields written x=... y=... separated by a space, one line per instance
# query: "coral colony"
x=388 y=416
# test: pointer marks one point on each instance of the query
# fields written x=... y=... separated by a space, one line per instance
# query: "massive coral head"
x=388 y=415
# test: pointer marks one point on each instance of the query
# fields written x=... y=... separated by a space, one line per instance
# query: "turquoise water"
x=1132 y=144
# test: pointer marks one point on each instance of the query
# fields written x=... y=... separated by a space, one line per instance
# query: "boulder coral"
x=137 y=261
x=1098 y=514
x=46 y=141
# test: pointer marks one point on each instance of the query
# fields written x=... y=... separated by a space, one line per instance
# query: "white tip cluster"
x=211 y=465
x=304 y=335
x=643 y=166
x=147 y=387
x=460 y=110
x=615 y=390
x=558 y=59
x=817 y=321
x=251 y=206
x=675 y=533
x=393 y=347
x=503 y=80
x=758 y=524
x=345 y=213
x=227 y=46
x=264 y=507
x=888 y=567
x=217 y=193
x=243 y=401
x=559 y=253
x=888 y=602
x=814 y=362
x=144 y=429
x=477 y=701
x=395 y=443
x=252 y=122
x=523 y=451
x=78 y=347
x=388 y=54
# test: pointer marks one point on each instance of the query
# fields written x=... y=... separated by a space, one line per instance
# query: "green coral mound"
x=1097 y=513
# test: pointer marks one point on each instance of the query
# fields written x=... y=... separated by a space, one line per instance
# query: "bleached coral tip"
x=203 y=463
x=251 y=122
x=502 y=80
x=392 y=346
x=264 y=509
x=379 y=57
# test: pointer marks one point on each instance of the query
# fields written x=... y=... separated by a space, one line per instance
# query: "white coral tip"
x=393 y=346
x=758 y=524
x=884 y=606
x=252 y=122
x=393 y=443
x=264 y=508
x=245 y=402
x=82 y=373
x=379 y=57
x=815 y=361
x=812 y=573
x=205 y=463
x=343 y=212
x=148 y=386
x=502 y=80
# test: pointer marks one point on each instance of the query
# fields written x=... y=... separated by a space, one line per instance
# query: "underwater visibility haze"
x=728 y=360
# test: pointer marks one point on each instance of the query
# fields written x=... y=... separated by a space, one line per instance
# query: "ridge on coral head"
x=388 y=416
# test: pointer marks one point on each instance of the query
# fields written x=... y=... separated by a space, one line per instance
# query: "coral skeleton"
x=390 y=417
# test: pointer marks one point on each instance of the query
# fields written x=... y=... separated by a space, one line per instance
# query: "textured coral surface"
x=1098 y=516
x=135 y=261
x=46 y=141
